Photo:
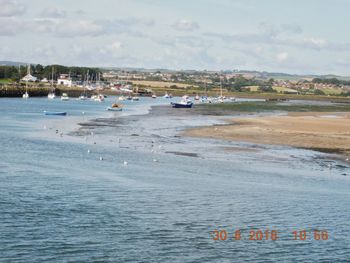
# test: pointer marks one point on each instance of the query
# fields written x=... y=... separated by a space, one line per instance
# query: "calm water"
x=59 y=203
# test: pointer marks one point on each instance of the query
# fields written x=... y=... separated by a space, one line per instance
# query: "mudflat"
x=322 y=131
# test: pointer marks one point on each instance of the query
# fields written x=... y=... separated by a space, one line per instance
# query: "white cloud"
x=53 y=12
x=69 y=28
x=9 y=26
x=283 y=56
x=11 y=8
x=185 y=25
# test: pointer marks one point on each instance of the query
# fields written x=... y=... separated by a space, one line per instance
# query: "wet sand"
x=325 y=132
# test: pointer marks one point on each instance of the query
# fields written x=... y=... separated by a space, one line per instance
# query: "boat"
x=197 y=97
x=129 y=98
x=121 y=98
x=115 y=107
x=25 y=95
x=166 y=96
x=184 y=103
x=51 y=94
x=154 y=96
x=83 y=97
x=100 y=98
x=64 y=96
x=59 y=113
x=135 y=98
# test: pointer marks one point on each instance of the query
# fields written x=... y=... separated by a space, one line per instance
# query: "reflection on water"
x=60 y=202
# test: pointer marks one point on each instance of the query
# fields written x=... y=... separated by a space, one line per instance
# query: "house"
x=64 y=80
x=29 y=77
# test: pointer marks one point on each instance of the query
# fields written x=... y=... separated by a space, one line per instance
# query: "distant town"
x=40 y=76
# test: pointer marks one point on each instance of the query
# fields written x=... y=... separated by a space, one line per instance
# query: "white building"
x=64 y=80
x=29 y=77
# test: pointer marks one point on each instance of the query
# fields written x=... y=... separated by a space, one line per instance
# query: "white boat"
x=51 y=96
x=121 y=98
x=154 y=96
x=25 y=95
x=197 y=97
x=83 y=97
x=135 y=98
x=166 y=96
x=100 y=98
x=64 y=96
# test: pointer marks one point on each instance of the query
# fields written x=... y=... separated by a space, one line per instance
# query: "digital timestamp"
x=273 y=235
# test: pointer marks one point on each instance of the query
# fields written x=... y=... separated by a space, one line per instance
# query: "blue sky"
x=282 y=36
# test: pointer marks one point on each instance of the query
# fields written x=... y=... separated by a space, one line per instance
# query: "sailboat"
x=51 y=94
x=83 y=96
x=26 y=95
x=221 y=98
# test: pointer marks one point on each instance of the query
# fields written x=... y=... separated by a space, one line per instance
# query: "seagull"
x=101 y=158
x=155 y=160
x=125 y=163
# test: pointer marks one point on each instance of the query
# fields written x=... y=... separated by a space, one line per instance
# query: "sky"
x=291 y=36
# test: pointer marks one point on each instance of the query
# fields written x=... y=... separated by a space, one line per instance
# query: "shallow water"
x=59 y=202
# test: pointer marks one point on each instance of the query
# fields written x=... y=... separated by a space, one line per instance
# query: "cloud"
x=292 y=28
x=112 y=49
x=185 y=25
x=9 y=26
x=53 y=12
x=68 y=28
x=283 y=56
x=11 y=8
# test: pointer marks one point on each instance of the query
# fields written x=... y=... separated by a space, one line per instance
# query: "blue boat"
x=59 y=113
x=187 y=104
x=184 y=103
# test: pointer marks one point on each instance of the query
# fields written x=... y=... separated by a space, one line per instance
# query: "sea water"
x=134 y=193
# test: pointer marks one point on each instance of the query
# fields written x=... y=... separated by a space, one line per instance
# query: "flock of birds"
x=125 y=163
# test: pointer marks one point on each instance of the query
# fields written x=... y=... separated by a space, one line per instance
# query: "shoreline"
x=326 y=132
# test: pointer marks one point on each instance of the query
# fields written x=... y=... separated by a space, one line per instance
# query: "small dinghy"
x=59 y=113
x=115 y=107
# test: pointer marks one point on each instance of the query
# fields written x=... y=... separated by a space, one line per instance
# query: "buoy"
x=125 y=163
x=101 y=158
x=88 y=150
x=83 y=112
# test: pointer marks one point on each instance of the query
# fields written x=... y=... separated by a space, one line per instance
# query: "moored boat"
x=184 y=103
x=64 y=96
x=25 y=95
x=115 y=107
x=59 y=113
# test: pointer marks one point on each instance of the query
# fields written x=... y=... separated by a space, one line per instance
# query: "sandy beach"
x=326 y=132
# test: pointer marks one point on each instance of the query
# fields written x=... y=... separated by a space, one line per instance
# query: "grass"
x=160 y=84
x=271 y=106
x=283 y=89
x=5 y=81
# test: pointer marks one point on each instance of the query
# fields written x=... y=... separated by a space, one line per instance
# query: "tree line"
x=40 y=71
